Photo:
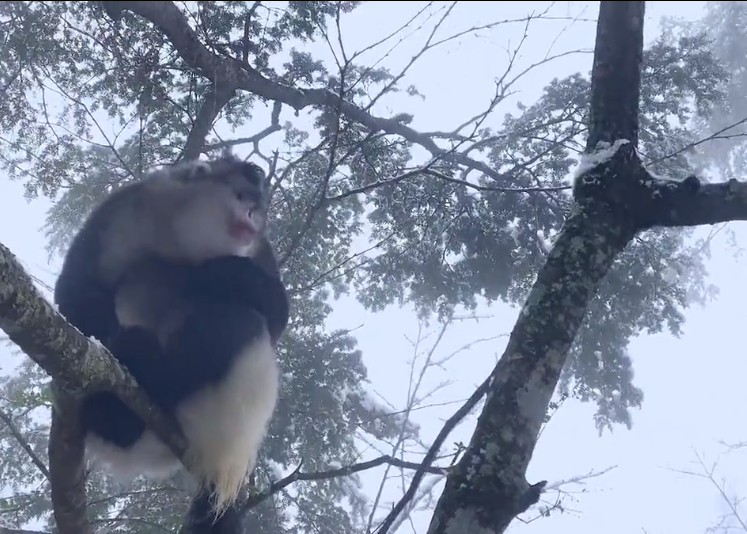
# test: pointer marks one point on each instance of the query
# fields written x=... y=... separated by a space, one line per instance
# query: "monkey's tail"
x=202 y=517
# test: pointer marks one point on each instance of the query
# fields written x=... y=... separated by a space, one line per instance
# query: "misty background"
x=677 y=468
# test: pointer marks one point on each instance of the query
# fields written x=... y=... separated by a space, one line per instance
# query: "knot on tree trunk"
x=624 y=192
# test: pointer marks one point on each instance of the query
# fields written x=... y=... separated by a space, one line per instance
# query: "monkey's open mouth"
x=242 y=229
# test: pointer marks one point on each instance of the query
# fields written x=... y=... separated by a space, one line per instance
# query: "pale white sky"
x=692 y=385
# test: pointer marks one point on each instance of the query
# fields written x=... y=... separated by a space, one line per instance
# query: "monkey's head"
x=220 y=207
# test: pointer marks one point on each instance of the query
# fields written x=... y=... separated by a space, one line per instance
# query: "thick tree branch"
x=487 y=489
x=172 y=22
x=222 y=91
x=676 y=204
x=77 y=364
x=616 y=74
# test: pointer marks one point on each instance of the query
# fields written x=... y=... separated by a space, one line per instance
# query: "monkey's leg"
x=201 y=517
x=106 y=414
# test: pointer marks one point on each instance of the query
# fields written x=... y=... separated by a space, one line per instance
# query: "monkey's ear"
x=261 y=175
x=263 y=179
x=199 y=170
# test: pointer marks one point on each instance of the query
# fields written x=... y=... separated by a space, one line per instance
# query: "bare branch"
x=169 y=19
x=415 y=383
x=428 y=171
x=336 y=473
x=709 y=472
x=719 y=134
x=253 y=139
x=449 y=425
x=414 y=492
x=579 y=478
x=24 y=444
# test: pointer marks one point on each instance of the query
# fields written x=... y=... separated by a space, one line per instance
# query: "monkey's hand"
x=232 y=277
x=240 y=279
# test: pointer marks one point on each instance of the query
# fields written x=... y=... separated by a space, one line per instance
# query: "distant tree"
x=489 y=216
x=723 y=26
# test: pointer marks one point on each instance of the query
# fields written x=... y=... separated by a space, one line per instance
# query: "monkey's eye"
x=243 y=195
x=253 y=173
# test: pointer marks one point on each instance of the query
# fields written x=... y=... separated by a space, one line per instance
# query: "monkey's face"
x=224 y=210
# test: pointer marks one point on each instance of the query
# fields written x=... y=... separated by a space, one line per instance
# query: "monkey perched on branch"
x=175 y=275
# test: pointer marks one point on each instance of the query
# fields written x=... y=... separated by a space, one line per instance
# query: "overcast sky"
x=691 y=385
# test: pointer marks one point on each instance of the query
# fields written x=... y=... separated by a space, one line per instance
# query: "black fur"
x=201 y=520
x=242 y=280
x=81 y=294
x=233 y=299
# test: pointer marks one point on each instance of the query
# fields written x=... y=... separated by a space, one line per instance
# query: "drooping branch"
x=67 y=467
x=24 y=444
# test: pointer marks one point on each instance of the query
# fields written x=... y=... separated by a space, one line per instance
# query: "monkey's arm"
x=80 y=294
x=245 y=281
x=83 y=293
